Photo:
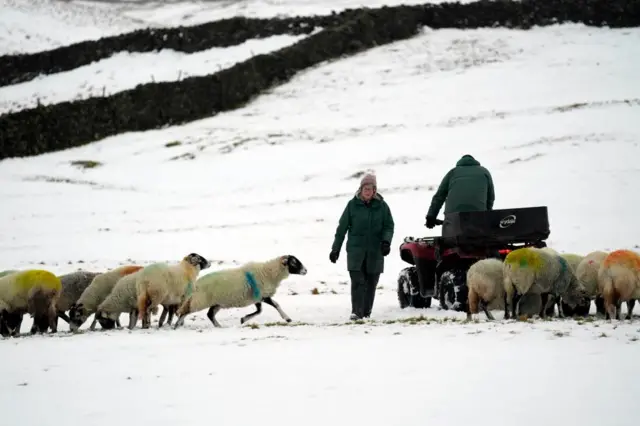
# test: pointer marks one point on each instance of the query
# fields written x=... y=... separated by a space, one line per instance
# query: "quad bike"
x=439 y=264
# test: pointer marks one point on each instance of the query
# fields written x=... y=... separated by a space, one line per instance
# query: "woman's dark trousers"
x=363 y=291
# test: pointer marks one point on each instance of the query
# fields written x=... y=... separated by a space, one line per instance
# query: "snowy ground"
x=551 y=112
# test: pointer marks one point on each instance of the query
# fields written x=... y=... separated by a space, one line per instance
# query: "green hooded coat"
x=367 y=226
x=466 y=187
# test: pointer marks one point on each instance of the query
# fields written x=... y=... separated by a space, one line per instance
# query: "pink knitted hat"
x=369 y=179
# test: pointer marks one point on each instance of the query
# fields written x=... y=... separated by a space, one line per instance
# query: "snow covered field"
x=552 y=112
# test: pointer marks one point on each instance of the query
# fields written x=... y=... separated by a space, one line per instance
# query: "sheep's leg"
x=93 y=324
x=133 y=318
x=630 y=304
x=269 y=301
x=163 y=316
x=118 y=322
x=172 y=311
x=483 y=306
x=180 y=321
x=506 y=306
x=211 y=314
x=247 y=317
x=546 y=301
x=560 y=309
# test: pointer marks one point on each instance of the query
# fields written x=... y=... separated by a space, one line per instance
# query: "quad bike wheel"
x=409 y=290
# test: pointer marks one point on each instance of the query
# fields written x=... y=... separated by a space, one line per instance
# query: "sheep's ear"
x=284 y=260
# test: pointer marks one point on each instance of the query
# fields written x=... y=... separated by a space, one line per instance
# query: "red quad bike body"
x=439 y=264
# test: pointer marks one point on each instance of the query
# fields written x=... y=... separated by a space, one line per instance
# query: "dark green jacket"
x=466 y=187
x=367 y=226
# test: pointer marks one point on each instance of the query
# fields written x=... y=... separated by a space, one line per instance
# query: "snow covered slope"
x=552 y=112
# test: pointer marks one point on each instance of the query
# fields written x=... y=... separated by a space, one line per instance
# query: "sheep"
x=124 y=298
x=538 y=271
x=619 y=275
x=485 y=286
x=251 y=283
x=583 y=308
x=73 y=284
x=573 y=260
x=33 y=291
x=587 y=274
x=160 y=283
x=93 y=295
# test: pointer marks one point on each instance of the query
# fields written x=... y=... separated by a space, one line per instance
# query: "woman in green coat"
x=368 y=223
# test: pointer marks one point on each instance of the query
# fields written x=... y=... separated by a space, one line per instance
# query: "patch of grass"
x=559 y=333
x=285 y=324
x=634 y=339
x=603 y=335
x=315 y=291
x=86 y=164
x=172 y=144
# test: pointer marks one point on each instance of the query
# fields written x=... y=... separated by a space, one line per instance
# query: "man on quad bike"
x=466 y=187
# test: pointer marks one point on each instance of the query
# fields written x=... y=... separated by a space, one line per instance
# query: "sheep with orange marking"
x=538 y=271
x=33 y=291
x=619 y=277
x=485 y=285
x=94 y=294
x=161 y=283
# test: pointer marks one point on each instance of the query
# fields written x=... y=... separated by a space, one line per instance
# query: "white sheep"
x=73 y=284
x=249 y=284
x=485 y=285
x=94 y=294
x=539 y=271
x=124 y=299
x=165 y=284
x=587 y=272
x=619 y=274
x=33 y=291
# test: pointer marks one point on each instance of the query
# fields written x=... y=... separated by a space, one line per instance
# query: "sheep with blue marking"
x=124 y=299
x=94 y=294
x=538 y=271
x=73 y=285
x=164 y=284
x=249 y=284
x=33 y=291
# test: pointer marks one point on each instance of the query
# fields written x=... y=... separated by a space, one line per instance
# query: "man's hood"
x=467 y=160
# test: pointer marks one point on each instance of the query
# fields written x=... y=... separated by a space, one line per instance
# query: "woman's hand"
x=385 y=247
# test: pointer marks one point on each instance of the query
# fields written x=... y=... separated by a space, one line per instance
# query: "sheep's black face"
x=10 y=323
x=77 y=316
x=197 y=260
x=295 y=266
x=105 y=321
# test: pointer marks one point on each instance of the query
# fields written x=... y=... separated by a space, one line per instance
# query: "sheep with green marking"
x=33 y=291
x=162 y=283
x=537 y=271
x=249 y=284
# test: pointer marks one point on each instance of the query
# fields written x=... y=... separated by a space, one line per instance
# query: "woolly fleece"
x=485 y=279
x=229 y=288
x=16 y=289
x=540 y=271
x=73 y=284
x=587 y=272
